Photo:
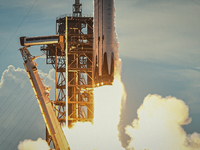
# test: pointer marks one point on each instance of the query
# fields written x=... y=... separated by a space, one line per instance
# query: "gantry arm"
x=41 y=93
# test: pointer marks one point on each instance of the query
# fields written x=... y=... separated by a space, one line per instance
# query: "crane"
x=42 y=95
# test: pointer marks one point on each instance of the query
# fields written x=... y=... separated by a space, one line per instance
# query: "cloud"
x=19 y=111
x=33 y=145
x=12 y=74
x=159 y=125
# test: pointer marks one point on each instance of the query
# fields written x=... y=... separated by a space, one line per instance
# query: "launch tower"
x=72 y=60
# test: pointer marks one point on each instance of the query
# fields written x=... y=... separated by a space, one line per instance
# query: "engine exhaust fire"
x=103 y=134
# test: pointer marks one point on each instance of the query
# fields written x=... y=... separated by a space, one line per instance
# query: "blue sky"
x=158 y=44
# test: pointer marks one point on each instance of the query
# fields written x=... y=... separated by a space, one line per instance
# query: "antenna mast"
x=77 y=9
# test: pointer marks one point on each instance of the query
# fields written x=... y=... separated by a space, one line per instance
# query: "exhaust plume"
x=103 y=133
x=159 y=126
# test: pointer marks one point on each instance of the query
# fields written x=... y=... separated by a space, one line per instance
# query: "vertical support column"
x=56 y=77
x=66 y=67
x=77 y=82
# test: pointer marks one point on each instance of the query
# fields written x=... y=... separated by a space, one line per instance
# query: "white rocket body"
x=103 y=56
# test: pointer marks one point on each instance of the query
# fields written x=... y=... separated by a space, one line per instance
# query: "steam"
x=159 y=126
x=40 y=144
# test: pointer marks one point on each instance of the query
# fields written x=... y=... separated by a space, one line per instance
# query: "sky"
x=158 y=44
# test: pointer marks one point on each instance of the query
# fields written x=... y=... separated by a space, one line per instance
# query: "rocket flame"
x=103 y=134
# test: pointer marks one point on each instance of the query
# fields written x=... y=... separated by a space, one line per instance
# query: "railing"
x=71 y=15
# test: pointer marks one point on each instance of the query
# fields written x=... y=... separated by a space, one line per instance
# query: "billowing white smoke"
x=103 y=134
x=40 y=144
x=159 y=126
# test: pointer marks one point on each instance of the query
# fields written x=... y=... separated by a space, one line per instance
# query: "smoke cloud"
x=40 y=144
x=159 y=126
x=19 y=112
x=103 y=133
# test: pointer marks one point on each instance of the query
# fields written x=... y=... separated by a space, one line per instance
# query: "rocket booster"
x=104 y=31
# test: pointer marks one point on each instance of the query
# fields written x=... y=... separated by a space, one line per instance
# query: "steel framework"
x=72 y=61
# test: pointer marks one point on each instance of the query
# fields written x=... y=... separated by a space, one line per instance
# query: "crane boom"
x=41 y=93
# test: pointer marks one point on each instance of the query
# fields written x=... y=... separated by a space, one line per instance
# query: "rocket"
x=104 y=32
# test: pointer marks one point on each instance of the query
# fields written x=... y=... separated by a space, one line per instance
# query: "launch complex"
x=82 y=54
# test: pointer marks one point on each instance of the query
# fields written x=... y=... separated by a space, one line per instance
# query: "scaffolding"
x=72 y=61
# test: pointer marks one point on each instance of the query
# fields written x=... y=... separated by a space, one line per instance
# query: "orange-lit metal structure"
x=72 y=61
x=79 y=47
